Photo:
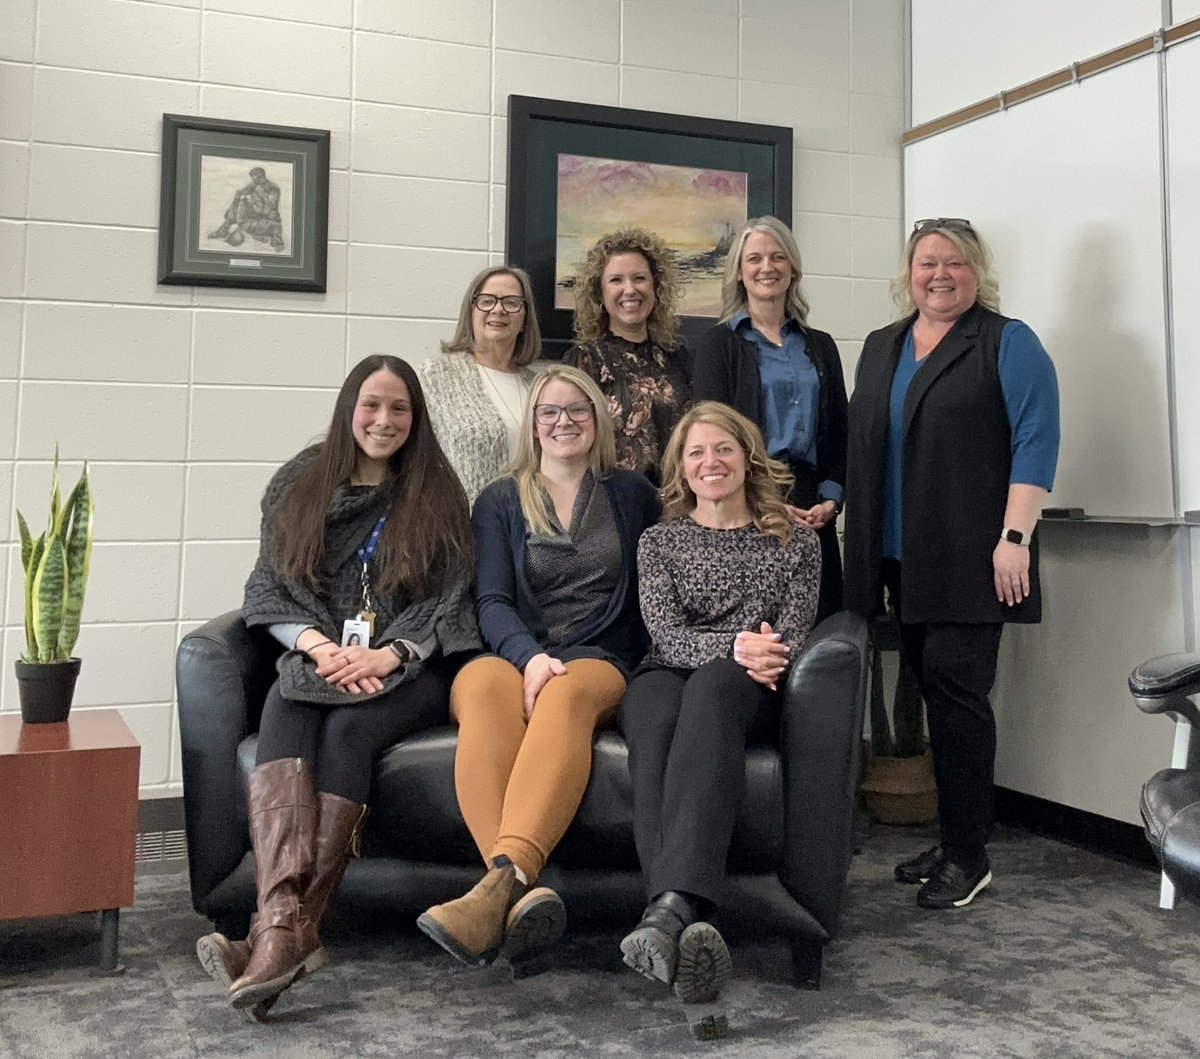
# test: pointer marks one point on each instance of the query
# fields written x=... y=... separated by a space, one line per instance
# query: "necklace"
x=505 y=406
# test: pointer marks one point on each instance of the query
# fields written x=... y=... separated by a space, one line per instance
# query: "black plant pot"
x=46 y=690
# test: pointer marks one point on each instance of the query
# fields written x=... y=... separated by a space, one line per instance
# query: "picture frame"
x=546 y=134
x=243 y=204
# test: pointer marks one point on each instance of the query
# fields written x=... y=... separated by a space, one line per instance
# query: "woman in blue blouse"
x=952 y=451
x=764 y=360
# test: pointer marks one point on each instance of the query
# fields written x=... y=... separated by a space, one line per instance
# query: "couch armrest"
x=821 y=748
x=1165 y=685
x=222 y=673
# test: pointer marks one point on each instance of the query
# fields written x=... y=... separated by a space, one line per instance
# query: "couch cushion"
x=415 y=815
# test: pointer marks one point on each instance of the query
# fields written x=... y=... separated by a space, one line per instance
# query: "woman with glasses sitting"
x=476 y=390
x=952 y=450
x=557 y=601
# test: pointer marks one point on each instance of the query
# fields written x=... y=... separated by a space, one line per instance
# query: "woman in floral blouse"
x=627 y=339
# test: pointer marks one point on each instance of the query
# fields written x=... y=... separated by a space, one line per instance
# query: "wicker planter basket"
x=901 y=790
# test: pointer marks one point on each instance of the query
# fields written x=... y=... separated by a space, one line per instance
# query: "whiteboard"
x=967 y=50
x=1067 y=190
x=1183 y=116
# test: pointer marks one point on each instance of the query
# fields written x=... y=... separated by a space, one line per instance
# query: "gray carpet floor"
x=1066 y=955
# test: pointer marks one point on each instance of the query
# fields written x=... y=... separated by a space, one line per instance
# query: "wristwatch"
x=1014 y=536
x=402 y=651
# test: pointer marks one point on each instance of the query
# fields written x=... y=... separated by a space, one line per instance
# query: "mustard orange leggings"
x=519 y=784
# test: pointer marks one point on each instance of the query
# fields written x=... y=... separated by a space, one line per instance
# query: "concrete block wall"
x=184 y=400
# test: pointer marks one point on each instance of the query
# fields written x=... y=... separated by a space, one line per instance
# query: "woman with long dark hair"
x=366 y=532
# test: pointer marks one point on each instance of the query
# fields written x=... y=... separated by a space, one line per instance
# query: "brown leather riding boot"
x=339 y=837
x=283 y=828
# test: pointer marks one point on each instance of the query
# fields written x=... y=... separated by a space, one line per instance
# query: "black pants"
x=341 y=743
x=955 y=665
x=687 y=732
x=804 y=494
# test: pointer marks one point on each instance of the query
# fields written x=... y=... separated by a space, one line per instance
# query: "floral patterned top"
x=647 y=387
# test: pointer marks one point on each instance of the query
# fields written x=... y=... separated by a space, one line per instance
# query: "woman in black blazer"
x=763 y=359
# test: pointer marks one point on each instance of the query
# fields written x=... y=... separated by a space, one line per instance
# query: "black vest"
x=957 y=458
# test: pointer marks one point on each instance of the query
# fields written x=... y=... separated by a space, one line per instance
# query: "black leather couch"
x=1171 y=797
x=792 y=843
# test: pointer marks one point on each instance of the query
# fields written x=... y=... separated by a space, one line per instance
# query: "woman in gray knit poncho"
x=368 y=526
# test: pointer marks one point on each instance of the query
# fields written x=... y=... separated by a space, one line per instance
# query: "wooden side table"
x=68 y=826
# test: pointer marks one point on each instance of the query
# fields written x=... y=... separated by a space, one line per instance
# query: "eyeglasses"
x=510 y=303
x=950 y=224
x=577 y=412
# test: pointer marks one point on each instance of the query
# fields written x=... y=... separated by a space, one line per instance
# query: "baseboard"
x=161 y=841
x=1076 y=827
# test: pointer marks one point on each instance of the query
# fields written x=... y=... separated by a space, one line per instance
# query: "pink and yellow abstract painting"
x=697 y=212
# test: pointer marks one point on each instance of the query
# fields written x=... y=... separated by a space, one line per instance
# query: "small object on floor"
x=708 y=1022
x=704 y=965
x=953 y=886
x=920 y=869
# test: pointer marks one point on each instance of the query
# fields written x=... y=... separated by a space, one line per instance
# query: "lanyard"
x=364 y=555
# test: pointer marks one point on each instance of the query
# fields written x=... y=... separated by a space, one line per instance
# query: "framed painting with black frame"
x=621 y=153
x=243 y=205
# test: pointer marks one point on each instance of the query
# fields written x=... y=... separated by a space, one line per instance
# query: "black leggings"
x=687 y=732
x=341 y=743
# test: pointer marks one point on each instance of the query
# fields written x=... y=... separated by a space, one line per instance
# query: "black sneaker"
x=953 y=886
x=921 y=868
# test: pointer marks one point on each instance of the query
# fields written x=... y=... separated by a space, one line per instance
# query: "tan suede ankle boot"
x=472 y=928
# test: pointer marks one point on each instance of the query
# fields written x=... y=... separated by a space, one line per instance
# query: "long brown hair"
x=767 y=481
x=426 y=540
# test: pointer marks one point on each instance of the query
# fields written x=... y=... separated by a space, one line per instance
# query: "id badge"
x=356 y=633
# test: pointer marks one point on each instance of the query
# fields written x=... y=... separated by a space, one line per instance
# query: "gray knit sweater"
x=443 y=623
x=467 y=422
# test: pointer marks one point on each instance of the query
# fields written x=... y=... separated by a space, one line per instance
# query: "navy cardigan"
x=510 y=618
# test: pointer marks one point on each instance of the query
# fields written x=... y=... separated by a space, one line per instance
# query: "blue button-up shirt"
x=791 y=396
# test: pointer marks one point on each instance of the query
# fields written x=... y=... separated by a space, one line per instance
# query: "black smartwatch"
x=1014 y=537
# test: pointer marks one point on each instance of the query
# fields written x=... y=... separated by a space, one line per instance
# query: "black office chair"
x=1171 y=797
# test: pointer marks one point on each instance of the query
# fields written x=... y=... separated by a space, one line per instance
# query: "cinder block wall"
x=184 y=400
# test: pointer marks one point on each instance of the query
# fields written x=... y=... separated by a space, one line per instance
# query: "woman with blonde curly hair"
x=764 y=359
x=627 y=340
x=728 y=588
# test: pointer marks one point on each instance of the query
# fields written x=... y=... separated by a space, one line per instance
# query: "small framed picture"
x=356 y=633
x=243 y=205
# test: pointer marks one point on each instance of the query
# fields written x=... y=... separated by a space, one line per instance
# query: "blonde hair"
x=975 y=252
x=733 y=292
x=602 y=457
x=591 y=318
x=529 y=341
x=768 y=481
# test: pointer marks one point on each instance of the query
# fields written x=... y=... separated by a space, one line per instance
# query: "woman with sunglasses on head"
x=366 y=530
x=952 y=451
x=627 y=339
x=764 y=359
x=477 y=387
x=557 y=600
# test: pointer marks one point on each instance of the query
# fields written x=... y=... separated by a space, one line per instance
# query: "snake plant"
x=56 y=572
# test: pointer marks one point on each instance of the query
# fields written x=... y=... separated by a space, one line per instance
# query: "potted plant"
x=899 y=786
x=56 y=572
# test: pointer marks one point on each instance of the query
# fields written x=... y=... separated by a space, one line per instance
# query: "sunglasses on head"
x=950 y=224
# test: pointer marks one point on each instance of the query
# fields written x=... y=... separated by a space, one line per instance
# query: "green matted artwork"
x=577 y=171
x=243 y=205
